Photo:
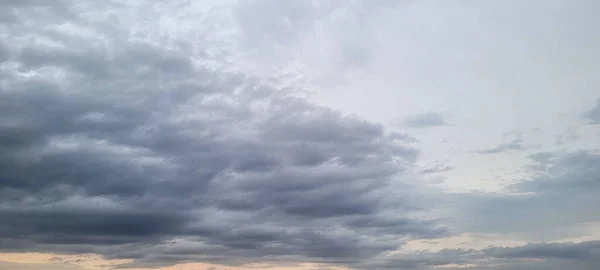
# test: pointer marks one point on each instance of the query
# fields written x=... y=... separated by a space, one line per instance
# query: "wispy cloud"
x=593 y=115
x=515 y=144
x=438 y=167
x=424 y=120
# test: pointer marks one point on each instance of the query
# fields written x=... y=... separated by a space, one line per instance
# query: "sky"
x=299 y=135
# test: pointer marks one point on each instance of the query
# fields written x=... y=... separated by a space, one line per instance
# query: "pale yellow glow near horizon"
x=43 y=261
x=84 y=261
x=48 y=261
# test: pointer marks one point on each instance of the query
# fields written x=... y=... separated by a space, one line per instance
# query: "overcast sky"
x=299 y=134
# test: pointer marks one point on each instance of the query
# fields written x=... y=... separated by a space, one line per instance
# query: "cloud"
x=516 y=144
x=138 y=149
x=135 y=139
x=593 y=115
x=423 y=120
x=529 y=256
x=404 y=137
x=550 y=204
x=52 y=12
x=570 y=251
x=424 y=259
x=438 y=167
x=566 y=138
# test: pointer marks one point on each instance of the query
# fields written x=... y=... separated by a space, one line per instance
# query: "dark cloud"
x=593 y=115
x=136 y=149
x=64 y=226
x=424 y=120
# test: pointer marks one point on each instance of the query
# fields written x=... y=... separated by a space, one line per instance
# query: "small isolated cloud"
x=593 y=115
x=438 y=167
x=424 y=120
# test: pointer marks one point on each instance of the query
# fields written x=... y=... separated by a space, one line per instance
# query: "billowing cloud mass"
x=111 y=144
x=140 y=131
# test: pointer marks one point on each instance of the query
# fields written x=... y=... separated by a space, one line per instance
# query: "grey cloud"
x=565 y=138
x=127 y=148
x=51 y=12
x=134 y=145
x=64 y=226
x=571 y=251
x=543 y=207
x=536 y=265
x=424 y=259
x=516 y=144
x=575 y=171
x=583 y=255
x=404 y=137
x=423 y=120
x=4 y=52
x=593 y=115
x=438 y=167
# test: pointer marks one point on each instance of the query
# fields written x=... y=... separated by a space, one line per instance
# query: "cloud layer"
x=111 y=143
x=134 y=131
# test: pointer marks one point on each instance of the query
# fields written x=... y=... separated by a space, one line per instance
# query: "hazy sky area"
x=299 y=134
